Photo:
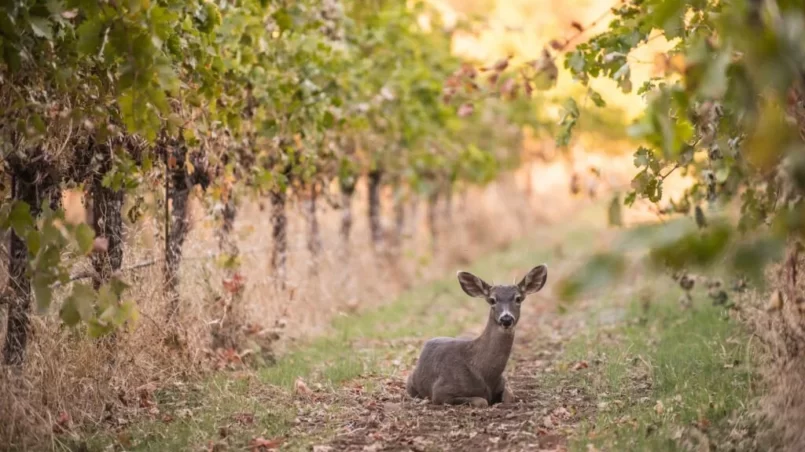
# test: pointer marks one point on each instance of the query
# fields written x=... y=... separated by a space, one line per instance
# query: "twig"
x=662 y=177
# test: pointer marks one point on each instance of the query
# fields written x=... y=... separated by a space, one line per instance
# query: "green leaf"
x=20 y=218
x=33 y=242
x=714 y=83
x=596 y=98
x=89 y=36
x=83 y=299
x=630 y=198
x=42 y=292
x=69 y=313
x=130 y=313
x=283 y=19
x=41 y=27
x=97 y=329
x=118 y=286
x=328 y=120
x=84 y=236
x=722 y=174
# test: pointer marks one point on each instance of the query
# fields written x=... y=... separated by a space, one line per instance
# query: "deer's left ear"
x=534 y=280
x=473 y=285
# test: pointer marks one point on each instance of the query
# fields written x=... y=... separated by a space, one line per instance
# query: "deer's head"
x=504 y=300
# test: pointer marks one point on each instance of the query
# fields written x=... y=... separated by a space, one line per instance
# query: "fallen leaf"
x=374 y=447
x=62 y=423
x=234 y=284
x=261 y=444
x=581 y=365
x=547 y=422
x=301 y=388
x=562 y=413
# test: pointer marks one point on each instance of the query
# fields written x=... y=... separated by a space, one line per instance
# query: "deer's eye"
x=492 y=300
x=518 y=299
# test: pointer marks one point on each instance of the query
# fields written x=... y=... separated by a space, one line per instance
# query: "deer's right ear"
x=473 y=285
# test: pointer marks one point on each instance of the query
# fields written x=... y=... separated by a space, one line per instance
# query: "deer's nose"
x=507 y=320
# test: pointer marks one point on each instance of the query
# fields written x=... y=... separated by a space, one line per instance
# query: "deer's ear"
x=534 y=280
x=473 y=285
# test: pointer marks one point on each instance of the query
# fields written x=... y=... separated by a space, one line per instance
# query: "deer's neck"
x=491 y=350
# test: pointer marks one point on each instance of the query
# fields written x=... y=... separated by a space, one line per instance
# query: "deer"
x=463 y=371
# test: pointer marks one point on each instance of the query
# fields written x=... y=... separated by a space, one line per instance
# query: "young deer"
x=470 y=371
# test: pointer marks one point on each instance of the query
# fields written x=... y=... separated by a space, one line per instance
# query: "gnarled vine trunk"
x=347 y=191
x=31 y=184
x=448 y=207
x=399 y=217
x=279 y=253
x=226 y=241
x=226 y=334
x=313 y=230
x=432 y=220
x=375 y=227
x=177 y=189
x=107 y=221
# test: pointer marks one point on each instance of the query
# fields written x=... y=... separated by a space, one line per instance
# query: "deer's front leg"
x=504 y=393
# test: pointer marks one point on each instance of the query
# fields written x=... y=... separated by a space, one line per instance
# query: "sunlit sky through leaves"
x=522 y=28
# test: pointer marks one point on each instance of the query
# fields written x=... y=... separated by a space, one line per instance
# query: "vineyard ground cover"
x=623 y=370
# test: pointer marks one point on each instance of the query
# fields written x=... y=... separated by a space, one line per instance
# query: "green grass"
x=660 y=371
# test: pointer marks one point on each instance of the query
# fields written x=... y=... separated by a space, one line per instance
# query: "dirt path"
x=386 y=419
x=374 y=413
